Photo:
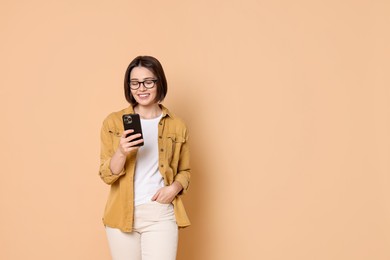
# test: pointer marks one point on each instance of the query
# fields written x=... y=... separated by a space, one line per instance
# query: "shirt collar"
x=165 y=111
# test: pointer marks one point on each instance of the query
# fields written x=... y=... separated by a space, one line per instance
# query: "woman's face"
x=143 y=95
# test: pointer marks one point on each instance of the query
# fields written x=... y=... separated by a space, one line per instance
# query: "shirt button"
x=160 y=137
x=162 y=150
x=162 y=165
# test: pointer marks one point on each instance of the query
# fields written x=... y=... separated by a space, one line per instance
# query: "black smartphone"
x=133 y=121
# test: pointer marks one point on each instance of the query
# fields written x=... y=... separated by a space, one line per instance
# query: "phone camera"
x=128 y=119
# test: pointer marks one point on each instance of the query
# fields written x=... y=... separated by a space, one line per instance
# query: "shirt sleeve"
x=184 y=172
x=106 y=153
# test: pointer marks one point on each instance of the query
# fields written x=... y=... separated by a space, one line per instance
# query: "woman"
x=144 y=208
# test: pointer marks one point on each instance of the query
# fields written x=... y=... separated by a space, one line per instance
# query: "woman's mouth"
x=145 y=95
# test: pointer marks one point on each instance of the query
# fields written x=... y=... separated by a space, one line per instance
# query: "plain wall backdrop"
x=287 y=104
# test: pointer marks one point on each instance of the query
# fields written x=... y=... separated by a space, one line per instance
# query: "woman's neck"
x=148 y=112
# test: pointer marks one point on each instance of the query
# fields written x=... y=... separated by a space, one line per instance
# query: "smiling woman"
x=145 y=96
x=145 y=70
x=144 y=207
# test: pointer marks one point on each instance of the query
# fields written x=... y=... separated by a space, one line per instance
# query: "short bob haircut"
x=155 y=67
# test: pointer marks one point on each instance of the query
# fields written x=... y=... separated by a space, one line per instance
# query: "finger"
x=126 y=132
x=155 y=196
x=128 y=139
x=134 y=143
x=131 y=146
x=132 y=137
x=128 y=146
x=129 y=143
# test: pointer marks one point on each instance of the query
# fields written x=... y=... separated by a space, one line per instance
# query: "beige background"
x=287 y=103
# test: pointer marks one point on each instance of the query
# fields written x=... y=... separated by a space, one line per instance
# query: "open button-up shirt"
x=174 y=165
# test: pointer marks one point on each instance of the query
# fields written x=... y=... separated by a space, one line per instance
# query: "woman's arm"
x=126 y=145
x=182 y=178
x=112 y=162
x=168 y=193
x=183 y=174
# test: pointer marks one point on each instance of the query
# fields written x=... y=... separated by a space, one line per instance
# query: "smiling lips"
x=144 y=96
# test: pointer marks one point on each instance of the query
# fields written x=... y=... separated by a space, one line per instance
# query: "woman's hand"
x=126 y=144
x=166 y=194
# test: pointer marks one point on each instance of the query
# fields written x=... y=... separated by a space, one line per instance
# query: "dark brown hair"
x=155 y=67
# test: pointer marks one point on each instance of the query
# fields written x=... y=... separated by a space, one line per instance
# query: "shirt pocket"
x=174 y=145
x=115 y=136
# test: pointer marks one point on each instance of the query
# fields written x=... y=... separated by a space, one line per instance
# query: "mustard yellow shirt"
x=174 y=165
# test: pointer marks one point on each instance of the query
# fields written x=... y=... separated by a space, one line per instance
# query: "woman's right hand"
x=128 y=144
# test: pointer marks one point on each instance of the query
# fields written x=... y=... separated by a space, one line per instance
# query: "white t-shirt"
x=147 y=177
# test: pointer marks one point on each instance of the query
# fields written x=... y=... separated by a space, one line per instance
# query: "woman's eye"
x=134 y=83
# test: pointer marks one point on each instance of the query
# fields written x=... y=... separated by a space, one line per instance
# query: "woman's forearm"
x=118 y=161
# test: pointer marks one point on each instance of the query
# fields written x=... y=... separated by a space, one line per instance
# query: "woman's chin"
x=145 y=103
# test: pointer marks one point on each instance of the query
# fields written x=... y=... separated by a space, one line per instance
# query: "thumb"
x=155 y=196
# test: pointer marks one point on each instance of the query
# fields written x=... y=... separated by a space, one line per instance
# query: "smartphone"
x=132 y=121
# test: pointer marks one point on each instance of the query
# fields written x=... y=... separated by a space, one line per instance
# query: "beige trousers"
x=154 y=237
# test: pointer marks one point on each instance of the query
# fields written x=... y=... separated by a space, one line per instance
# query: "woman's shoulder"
x=176 y=126
x=178 y=121
x=115 y=118
x=174 y=119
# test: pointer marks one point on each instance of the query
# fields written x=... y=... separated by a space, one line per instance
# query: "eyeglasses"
x=148 y=83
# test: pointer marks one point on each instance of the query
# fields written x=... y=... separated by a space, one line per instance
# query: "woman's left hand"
x=166 y=194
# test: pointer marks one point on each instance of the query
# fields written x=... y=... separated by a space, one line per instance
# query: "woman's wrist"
x=119 y=154
x=177 y=186
x=117 y=162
